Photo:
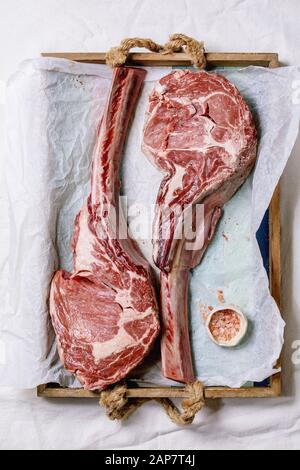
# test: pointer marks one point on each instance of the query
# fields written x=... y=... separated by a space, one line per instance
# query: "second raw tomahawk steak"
x=201 y=134
x=105 y=313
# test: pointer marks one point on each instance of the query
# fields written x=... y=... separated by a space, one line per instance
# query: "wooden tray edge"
x=228 y=59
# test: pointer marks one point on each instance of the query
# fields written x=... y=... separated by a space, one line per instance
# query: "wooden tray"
x=214 y=59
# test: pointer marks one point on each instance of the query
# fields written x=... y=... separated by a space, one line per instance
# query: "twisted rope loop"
x=117 y=56
x=118 y=406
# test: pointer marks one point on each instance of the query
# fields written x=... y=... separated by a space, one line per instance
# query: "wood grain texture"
x=228 y=59
x=275 y=271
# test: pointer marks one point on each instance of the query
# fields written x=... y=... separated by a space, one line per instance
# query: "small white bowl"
x=238 y=337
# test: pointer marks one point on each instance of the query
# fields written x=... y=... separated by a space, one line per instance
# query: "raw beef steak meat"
x=105 y=313
x=201 y=134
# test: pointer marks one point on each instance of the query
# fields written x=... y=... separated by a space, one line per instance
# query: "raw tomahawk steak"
x=201 y=134
x=105 y=313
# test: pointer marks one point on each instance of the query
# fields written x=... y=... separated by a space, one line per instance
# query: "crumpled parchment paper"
x=54 y=109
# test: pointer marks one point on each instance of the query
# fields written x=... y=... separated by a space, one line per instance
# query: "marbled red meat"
x=201 y=134
x=105 y=313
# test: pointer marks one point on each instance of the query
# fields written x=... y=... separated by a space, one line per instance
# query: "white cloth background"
x=26 y=29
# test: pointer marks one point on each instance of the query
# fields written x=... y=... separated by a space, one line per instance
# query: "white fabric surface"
x=26 y=29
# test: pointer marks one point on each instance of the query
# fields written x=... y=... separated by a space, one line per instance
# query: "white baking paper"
x=54 y=109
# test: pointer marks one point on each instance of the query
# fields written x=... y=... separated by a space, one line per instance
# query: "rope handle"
x=119 y=406
x=178 y=42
